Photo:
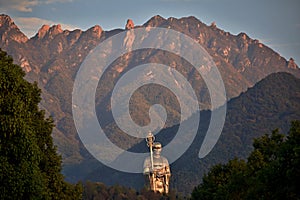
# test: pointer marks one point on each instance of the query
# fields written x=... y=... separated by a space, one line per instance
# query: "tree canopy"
x=30 y=167
x=271 y=171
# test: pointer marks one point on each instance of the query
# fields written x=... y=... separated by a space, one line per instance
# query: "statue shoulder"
x=147 y=161
x=165 y=160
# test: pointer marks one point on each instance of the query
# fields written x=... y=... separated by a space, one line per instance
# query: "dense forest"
x=30 y=167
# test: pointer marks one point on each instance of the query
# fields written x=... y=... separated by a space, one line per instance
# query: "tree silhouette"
x=271 y=171
x=30 y=167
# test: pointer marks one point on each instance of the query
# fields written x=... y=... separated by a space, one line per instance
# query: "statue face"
x=157 y=150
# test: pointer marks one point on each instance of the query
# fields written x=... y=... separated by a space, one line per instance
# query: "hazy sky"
x=273 y=22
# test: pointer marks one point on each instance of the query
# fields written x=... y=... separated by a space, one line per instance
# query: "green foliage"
x=271 y=172
x=29 y=165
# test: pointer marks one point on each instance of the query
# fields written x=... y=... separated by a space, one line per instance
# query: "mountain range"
x=53 y=56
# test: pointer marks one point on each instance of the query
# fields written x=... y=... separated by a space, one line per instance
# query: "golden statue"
x=156 y=167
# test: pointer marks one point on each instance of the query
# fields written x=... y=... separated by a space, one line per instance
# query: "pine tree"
x=30 y=167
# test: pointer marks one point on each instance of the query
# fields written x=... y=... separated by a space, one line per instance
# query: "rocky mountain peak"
x=129 y=24
x=43 y=30
x=291 y=64
x=213 y=25
x=95 y=31
x=243 y=36
x=5 y=20
x=10 y=31
x=55 y=29
x=46 y=30
x=155 y=21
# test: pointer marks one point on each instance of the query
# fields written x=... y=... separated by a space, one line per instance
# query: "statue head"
x=157 y=148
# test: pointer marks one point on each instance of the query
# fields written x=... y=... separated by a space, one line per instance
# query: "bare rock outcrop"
x=129 y=24
x=291 y=64
x=10 y=31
